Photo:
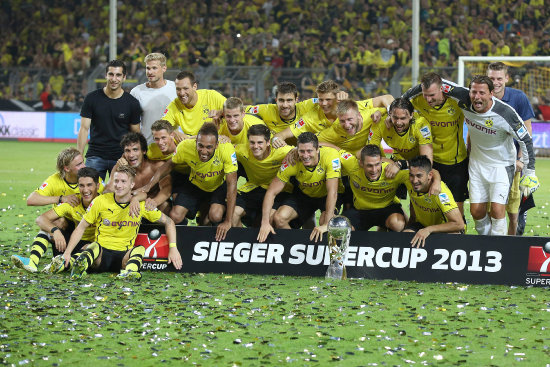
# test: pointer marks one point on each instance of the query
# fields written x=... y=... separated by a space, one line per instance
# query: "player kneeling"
x=116 y=232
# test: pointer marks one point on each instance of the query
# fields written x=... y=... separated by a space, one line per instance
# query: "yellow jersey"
x=155 y=154
x=260 y=173
x=207 y=176
x=269 y=113
x=314 y=121
x=312 y=180
x=405 y=146
x=115 y=228
x=55 y=185
x=430 y=210
x=241 y=137
x=75 y=215
x=368 y=195
x=336 y=135
x=190 y=120
x=447 y=126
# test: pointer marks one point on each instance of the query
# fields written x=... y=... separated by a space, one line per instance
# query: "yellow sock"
x=39 y=247
x=91 y=253
x=136 y=258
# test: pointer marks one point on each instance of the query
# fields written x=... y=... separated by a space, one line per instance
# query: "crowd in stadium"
x=360 y=44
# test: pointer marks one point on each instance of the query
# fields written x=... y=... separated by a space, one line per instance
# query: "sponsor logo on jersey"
x=301 y=123
x=444 y=198
x=446 y=88
x=425 y=131
x=43 y=186
x=356 y=184
x=347 y=156
x=522 y=132
x=284 y=166
x=488 y=123
x=480 y=128
x=234 y=158
x=255 y=109
x=121 y=115
x=336 y=163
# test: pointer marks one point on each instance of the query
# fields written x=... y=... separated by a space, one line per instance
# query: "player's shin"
x=39 y=247
x=483 y=226
x=136 y=259
x=498 y=227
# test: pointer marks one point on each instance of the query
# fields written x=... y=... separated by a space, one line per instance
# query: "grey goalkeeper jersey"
x=492 y=133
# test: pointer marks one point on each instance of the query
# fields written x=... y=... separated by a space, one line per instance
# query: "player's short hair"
x=482 y=79
x=129 y=170
x=208 y=128
x=403 y=104
x=156 y=56
x=285 y=88
x=498 y=66
x=189 y=75
x=162 y=125
x=65 y=157
x=421 y=161
x=89 y=172
x=345 y=106
x=328 y=86
x=370 y=150
x=308 y=137
x=116 y=64
x=259 y=130
x=132 y=138
x=233 y=102
x=430 y=78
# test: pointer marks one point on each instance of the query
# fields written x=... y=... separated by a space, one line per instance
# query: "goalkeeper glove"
x=528 y=184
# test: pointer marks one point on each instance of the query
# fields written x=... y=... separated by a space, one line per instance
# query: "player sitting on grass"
x=88 y=185
x=430 y=213
x=116 y=233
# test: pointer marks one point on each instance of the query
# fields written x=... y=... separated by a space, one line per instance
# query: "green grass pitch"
x=245 y=320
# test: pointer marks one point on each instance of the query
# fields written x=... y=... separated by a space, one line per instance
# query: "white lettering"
x=365 y=257
x=241 y=253
x=418 y=255
x=224 y=252
x=275 y=253
x=380 y=262
x=297 y=255
x=258 y=253
x=201 y=251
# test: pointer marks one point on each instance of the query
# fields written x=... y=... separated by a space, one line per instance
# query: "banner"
x=22 y=125
x=372 y=255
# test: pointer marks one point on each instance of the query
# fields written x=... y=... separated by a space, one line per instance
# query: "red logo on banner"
x=539 y=260
x=154 y=249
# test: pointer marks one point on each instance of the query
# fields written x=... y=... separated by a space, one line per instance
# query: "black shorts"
x=77 y=248
x=252 y=202
x=111 y=261
x=363 y=220
x=306 y=206
x=456 y=177
x=192 y=198
x=179 y=181
x=415 y=226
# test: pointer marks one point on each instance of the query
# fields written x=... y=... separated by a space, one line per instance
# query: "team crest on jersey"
x=427 y=199
x=43 y=186
x=301 y=123
x=412 y=140
x=446 y=88
x=425 y=131
x=216 y=161
x=336 y=163
x=489 y=123
x=444 y=198
x=205 y=110
x=451 y=111
x=255 y=109
x=347 y=156
x=234 y=158
x=320 y=170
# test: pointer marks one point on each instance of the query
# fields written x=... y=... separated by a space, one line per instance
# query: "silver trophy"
x=338 y=235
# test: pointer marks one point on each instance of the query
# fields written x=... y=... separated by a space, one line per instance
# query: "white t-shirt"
x=153 y=102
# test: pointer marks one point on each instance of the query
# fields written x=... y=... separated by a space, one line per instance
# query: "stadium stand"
x=363 y=43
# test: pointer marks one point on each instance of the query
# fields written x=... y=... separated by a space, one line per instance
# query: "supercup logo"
x=154 y=249
x=539 y=260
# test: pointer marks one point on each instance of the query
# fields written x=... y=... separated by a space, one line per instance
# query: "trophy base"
x=336 y=270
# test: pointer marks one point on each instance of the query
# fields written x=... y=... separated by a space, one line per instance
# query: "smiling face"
x=328 y=102
x=258 y=146
x=187 y=92
x=499 y=78
x=133 y=154
x=420 y=179
x=286 y=104
x=88 y=190
x=115 y=78
x=308 y=154
x=372 y=165
x=154 y=71
x=351 y=122
x=481 y=97
x=165 y=141
x=206 y=146
x=123 y=184
x=401 y=119
x=234 y=118
x=433 y=95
